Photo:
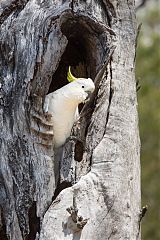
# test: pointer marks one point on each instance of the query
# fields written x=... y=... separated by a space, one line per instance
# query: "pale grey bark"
x=100 y=175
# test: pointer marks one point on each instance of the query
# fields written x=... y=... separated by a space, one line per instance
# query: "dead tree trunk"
x=100 y=176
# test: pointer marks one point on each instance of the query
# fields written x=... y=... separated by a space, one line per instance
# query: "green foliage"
x=148 y=73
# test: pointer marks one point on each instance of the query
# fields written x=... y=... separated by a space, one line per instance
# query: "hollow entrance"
x=85 y=52
x=80 y=54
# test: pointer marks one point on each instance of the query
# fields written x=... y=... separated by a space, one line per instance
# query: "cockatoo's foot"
x=77 y=124
x=74 y=138
x=86 y=100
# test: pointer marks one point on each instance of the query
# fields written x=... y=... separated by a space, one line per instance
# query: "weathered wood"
x=100 y=176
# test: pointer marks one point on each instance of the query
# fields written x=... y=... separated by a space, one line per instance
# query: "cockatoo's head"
x=85 y=84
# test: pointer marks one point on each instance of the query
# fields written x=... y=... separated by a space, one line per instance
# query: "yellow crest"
x=70 y=77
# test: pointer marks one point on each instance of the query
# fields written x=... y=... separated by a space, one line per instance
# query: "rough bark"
x=99 y=176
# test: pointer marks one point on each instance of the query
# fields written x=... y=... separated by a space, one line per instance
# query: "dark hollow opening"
x=80 y=54
x=83 y=53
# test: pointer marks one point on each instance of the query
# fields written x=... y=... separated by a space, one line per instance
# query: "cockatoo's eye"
x=82 y=86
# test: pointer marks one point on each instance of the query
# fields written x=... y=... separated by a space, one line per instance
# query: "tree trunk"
x=99 y=175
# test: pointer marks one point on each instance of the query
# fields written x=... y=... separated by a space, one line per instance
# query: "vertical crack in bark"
x=111 y=91
x=136 y=41
x=34 y=223
x=72 y=5
x=60 y=187
x=97 y=81
x=3 y=235
x=110 y=11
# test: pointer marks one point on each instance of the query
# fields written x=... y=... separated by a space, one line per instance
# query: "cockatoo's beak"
x=88 y=96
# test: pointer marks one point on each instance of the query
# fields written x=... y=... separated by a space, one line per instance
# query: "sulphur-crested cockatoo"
x=62 y=105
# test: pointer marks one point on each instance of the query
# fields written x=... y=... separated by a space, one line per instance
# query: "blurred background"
x=148 y=75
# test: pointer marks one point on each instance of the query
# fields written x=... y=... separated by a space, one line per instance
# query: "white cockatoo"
x=62 y=105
